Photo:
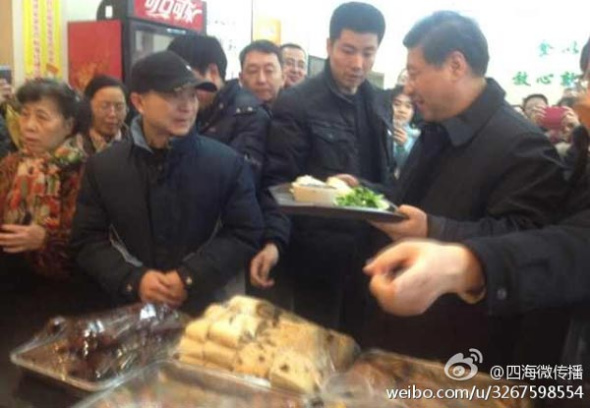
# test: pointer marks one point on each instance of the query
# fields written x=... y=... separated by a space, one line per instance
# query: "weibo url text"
x=491 y=392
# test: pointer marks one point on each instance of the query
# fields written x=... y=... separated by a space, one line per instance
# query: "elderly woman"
x=105 y=112
x=39 y=184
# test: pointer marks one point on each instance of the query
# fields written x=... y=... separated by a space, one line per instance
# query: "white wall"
x=80 y=10
x=514 y=29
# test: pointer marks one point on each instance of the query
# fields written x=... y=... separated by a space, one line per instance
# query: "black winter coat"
x=238 y=119
x=313 y=132
x=199 y=208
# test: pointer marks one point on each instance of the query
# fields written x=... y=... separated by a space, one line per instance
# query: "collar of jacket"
x=138 y=138
x=463 y=127
x=376 y=98
x=365 y=88
x=232 y=94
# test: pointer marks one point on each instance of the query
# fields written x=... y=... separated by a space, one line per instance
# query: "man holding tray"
x=335 y=122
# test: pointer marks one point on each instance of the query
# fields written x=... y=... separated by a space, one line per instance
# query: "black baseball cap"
x=164 y=71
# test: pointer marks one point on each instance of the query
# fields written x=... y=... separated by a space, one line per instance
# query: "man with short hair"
x=332 y=123
x=262 y=72
x=167 y=216
x=231 y=114
x=478 y=169
x=294 y=64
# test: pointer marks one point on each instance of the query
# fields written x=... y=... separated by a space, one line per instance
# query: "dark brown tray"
x=283 y=196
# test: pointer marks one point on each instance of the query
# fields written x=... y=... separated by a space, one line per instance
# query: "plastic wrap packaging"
x=374 y=372
x=171 y=384
x=95 y=352
x=252 y=337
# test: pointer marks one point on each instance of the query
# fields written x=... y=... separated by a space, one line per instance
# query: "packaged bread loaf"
x=249 y=336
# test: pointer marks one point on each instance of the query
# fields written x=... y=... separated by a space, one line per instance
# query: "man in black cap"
x=168 y=216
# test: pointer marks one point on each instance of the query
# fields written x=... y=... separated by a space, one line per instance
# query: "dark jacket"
x=238 y=119
x=313 y=132
x=538 y=270
x=194 y=211
x=497 y=175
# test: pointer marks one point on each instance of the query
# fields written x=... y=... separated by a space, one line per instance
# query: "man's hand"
x=349 y=179
x=416 y=226
x=537 y=115
x=569 y=121
x=409 y=277
x=15 y=238
x=155 y=288
x=176 y=285
x=400 y=136
x=261 y=265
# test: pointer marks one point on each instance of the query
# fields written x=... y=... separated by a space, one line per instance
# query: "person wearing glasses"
x=294 y=64
x=106 y=109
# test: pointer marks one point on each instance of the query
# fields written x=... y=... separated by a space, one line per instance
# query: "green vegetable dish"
x=362 y=197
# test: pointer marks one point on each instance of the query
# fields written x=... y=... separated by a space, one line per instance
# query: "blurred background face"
x=429 y=86
x=294 y=66
x=43 y=126
x=168 y=113
x=533 y=106
x=262 y=75
x=109 y=109
x=403 y=110
x=352 y=56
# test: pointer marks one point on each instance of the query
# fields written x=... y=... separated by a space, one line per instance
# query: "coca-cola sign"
x=180 y=13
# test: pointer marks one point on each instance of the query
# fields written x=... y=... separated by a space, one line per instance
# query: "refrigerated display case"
x=125 y=31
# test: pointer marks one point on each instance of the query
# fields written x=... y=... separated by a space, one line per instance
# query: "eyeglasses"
x=105 y=107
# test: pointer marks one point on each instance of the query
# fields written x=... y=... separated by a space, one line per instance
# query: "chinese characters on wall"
x=545 y=50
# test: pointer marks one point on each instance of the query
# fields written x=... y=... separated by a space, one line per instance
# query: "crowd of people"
x=158 y=190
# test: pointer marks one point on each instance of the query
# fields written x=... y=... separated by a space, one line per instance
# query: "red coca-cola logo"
x=180 y=13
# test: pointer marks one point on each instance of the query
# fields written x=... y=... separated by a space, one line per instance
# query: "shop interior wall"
x=6 y=50
x=535 y=38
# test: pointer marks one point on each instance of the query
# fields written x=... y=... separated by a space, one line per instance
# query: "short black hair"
x=292 y=45
x=568 y=101
x=533 y=96
x=444 y=32
x=103 y=81
x=263 y=46
x=585 y=57
x=200 y=51
x=357 y=17
x=67 y=99
x=397 y=90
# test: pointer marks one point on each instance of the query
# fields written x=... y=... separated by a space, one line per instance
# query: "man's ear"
x=137 y=101
x=457 y=64
x=329 y=47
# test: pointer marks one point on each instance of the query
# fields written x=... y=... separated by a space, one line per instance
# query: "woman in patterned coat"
x=39 y=184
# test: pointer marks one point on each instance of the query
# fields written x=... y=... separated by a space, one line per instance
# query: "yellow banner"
x=42 y=38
